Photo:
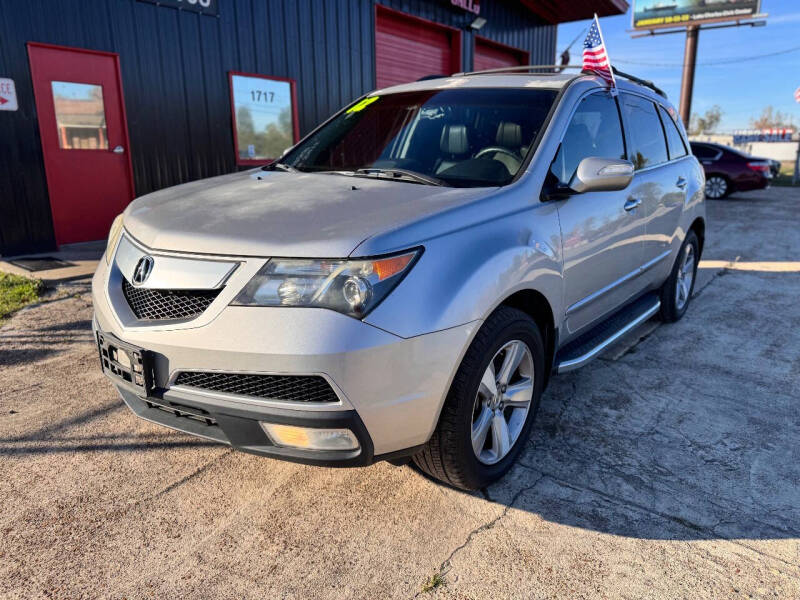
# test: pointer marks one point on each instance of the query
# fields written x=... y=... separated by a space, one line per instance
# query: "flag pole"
x=608 y=56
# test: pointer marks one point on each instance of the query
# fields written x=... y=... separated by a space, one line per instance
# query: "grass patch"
x=784 y=178
x=434 y=581
x=16 y=292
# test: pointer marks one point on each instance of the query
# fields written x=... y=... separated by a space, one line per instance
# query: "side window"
x=674 y=139
x=595 y=130
x=648 y=146
x=703 y=151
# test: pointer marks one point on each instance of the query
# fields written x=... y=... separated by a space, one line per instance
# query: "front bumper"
x=390 y=389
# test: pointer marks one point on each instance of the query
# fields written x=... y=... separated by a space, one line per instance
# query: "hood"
x=269 y=213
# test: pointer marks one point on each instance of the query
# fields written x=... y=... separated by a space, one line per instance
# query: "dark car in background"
x=729 y=170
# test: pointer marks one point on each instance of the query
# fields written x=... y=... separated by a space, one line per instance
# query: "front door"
x=602 y=232
x=84 y=139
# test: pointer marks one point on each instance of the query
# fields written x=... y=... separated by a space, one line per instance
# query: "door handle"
x=681 y=183
x=632 y=203
x=118 y=150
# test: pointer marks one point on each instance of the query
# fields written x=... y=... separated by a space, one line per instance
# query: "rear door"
x=84 y=139
x=656 y=183
x=601 y=234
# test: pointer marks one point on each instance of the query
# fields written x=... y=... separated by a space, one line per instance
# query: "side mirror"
x=601 y=175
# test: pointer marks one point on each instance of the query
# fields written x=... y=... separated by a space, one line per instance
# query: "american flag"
x=797 y=95
x=595 y=58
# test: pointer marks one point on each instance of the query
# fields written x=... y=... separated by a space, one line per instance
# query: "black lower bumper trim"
x=238 y=425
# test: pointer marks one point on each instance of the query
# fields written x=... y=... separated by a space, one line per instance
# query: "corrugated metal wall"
x=174 y=75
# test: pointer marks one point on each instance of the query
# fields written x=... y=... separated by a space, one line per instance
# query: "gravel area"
x=669 y=468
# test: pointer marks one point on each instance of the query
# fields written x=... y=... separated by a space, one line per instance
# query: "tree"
x=706 y=122
x=771 y=119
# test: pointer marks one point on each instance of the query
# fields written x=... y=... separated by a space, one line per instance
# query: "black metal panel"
x=175 y=66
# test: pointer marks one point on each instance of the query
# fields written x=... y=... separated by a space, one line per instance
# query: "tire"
x=718 y=187
x=449 y=455
x=674 y=299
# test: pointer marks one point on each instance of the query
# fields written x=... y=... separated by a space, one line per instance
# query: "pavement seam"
x=446 y=565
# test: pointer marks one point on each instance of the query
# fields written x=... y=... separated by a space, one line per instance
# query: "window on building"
x=264 y=117
x=648 y=146
x=674 y=139
x=594 y=131
x=80 y=116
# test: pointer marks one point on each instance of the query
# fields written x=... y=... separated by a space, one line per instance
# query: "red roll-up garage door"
x=407 y=48
x=493 y=55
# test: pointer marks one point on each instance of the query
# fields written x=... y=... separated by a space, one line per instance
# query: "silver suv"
x=404 y=281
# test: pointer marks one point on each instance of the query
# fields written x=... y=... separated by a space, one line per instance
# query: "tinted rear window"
x=674 y=138
x=648 y=146
x=701 y=151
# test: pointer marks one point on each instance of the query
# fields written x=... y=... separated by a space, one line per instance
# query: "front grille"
x=161 y=305
x=294 y=388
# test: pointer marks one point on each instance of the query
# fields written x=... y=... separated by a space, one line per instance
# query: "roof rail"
x=558 y=68
x=640 y=81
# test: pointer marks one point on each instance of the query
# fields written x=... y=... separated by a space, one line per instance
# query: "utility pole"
x=687 y=81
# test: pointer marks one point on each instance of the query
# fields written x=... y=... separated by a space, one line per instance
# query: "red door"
x=84 y=139
x=494 y=55
x=407 y=48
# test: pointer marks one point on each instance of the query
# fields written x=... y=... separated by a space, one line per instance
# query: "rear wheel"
x=717 y=187
x=677 y=289
x=491 y=405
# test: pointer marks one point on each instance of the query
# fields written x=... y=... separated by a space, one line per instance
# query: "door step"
x=588 y=345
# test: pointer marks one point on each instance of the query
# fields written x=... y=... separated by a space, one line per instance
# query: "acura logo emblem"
x=143 y=269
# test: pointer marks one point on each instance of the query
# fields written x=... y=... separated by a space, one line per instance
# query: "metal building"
x=105 y=100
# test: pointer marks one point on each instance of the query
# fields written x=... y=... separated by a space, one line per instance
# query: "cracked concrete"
x=669 y=468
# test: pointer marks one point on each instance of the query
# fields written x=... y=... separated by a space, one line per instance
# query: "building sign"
x=473 y=6
x=745 y=136
x=264 y=117
x=8 y=94
x=652 y=14
x=206 y=7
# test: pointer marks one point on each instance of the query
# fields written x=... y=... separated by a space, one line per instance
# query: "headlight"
x=353 y=287
x=113 y=238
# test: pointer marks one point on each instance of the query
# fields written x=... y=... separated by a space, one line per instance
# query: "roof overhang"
x=559 y=11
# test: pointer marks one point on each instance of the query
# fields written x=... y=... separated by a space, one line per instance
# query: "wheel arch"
x=699 y=228
x=537 y=307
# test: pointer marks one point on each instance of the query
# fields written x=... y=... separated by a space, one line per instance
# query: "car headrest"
x=454 y=139
x=509 y=135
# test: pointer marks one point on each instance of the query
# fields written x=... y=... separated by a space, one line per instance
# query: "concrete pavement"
x=670 y=468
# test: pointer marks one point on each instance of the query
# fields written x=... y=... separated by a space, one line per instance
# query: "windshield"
x=457 y=137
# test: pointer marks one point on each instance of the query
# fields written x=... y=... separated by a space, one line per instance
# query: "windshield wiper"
x=278 y=166
x=400 y=174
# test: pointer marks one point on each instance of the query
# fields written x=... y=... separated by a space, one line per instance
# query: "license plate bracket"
x=126 y=363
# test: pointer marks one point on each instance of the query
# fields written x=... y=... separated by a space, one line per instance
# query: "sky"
x=742 y=86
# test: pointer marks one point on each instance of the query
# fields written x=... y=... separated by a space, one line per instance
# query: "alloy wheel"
x=683 y=285
x=716 y=187
x=502 y=402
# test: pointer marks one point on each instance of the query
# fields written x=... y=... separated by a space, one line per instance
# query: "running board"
x=586 y=347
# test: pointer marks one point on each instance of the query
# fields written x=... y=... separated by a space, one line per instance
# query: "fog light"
x=310 y=438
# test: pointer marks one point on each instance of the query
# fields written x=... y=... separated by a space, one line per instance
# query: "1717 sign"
x=206 y=7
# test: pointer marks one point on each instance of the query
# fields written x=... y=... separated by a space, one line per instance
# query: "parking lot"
x=669 y=468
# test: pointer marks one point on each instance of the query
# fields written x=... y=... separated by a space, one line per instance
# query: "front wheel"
x=677 y=289
x=491 y=405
